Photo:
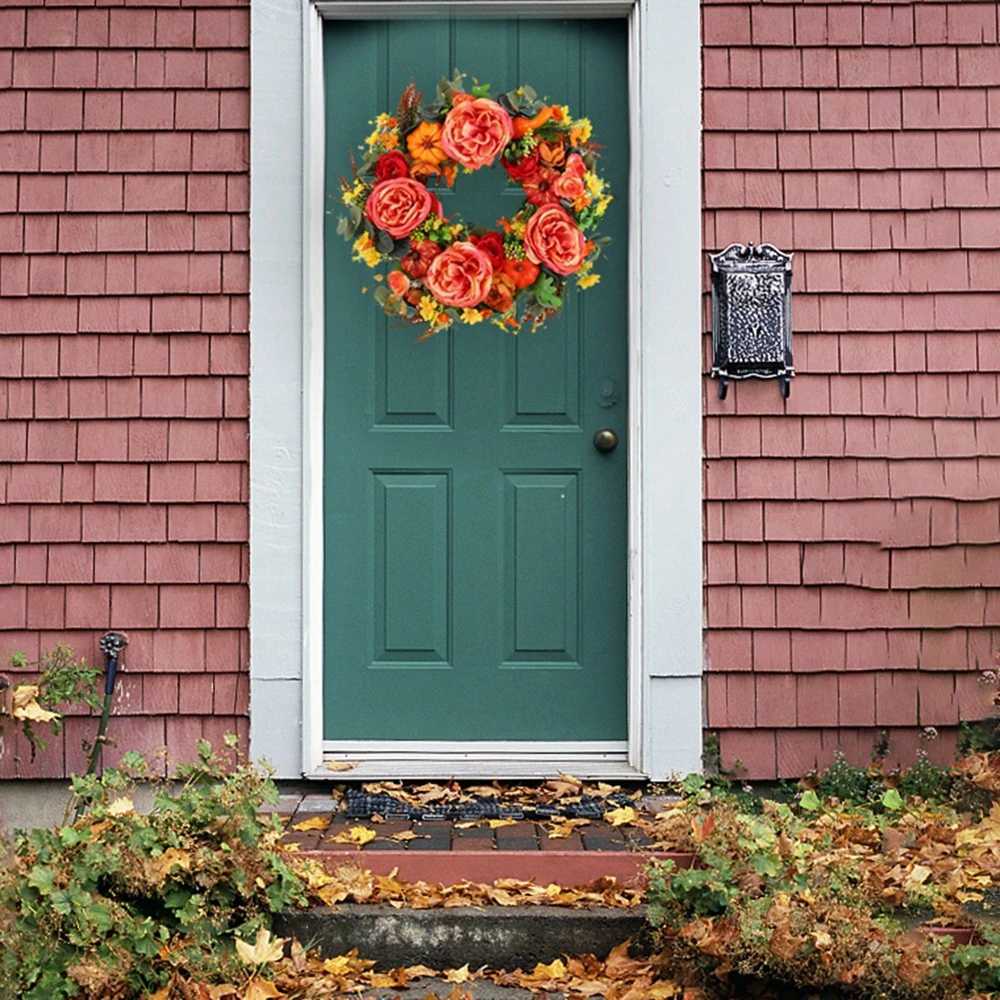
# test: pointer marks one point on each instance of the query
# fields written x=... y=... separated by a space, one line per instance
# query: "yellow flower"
x=354 y=193
x=602 y=204
x=472 y=316
x=581 y=132
x=428 y=308
x=589 y=280
x=594 y=183
x=366 y=251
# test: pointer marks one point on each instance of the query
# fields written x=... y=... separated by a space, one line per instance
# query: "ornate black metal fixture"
x=752 y=315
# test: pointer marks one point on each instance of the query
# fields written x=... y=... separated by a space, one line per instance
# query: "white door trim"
x=665 y=576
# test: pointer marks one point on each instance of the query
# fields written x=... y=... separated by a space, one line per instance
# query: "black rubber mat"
x=363 y=806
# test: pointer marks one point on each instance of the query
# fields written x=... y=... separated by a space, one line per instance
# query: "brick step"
x=569 y=868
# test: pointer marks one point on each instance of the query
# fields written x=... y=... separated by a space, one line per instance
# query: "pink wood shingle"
x=123 y=359
x=865 y=507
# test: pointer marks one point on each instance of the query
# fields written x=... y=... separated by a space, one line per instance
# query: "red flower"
x=540 y=188
x=492 y=245
x=392 y=164
x=526 y=167
x=418 y=260
x=522 y=272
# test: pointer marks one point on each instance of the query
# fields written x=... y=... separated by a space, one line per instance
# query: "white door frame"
x=286 y=437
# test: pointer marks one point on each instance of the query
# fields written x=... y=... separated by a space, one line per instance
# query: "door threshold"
x=484 y=765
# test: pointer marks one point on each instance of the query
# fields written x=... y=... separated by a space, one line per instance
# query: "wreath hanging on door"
x=443 y=270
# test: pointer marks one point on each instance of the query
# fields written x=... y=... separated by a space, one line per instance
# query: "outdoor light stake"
x=752 y=315
x=112 y=646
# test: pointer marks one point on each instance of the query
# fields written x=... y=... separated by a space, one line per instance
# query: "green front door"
x=475 y=540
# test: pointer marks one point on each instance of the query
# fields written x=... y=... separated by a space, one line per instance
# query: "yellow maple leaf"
x=359 y=835
x=619 y=817
x=263 y=951
x=120 y=806
x=313 y=823
x=339 y=965
x=556 y=969
x=565 y=828
x=495 y=824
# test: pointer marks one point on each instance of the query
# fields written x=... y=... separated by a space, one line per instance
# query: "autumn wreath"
x=442 y=270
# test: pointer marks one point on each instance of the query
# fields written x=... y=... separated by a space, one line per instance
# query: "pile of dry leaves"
x=304 y=975
x=351 y=884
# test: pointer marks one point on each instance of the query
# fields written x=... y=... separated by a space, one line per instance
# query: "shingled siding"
x=853 y=533
x=123 y=357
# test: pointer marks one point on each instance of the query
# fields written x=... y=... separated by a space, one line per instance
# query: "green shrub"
x=110 y=905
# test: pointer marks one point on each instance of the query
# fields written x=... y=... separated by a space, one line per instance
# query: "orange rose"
x=397 y=206
x=570 y=184
x=476 y=132
x=399 y=283
x=460 y=276
x=552 y=238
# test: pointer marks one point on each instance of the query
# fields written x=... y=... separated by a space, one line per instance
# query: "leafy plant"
x=63 y=679
x=111 y=904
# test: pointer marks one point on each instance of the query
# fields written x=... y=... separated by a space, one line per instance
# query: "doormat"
x=362 y=805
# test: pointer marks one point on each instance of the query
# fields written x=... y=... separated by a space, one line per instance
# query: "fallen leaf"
x=563 y=829
x=405 y=835
x=263 y=951
x=458 y=975
x=621 y=816
x=313 y=823
x=261 y=989
x=495 y=824
x=359 y=835
x=340 y=765
x=120 y=806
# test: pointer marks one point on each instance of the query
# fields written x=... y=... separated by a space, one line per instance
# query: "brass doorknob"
x=605 y=440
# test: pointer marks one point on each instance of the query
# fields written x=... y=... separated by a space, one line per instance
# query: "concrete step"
x=498 y=936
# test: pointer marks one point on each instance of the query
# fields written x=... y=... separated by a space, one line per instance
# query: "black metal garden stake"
x=112 y=645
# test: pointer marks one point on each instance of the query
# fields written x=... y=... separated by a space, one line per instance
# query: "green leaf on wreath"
x=384 y=242
x=544 y=290
x=481 y=90
x=348 y=225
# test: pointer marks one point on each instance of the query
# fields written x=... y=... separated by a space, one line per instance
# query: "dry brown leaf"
x=462 y=975
x=261 y=989
x=340 y=765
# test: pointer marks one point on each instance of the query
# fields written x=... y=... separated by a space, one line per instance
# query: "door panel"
x=475 y=541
